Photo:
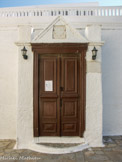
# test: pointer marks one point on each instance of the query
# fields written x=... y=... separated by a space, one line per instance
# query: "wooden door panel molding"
x=48 y=68
x=54 y=120
x=70 y=82
x=68 y=95
x=69 y=108
x=49 y=127
x=49 y=95
x=69 y=127
x=48 y=108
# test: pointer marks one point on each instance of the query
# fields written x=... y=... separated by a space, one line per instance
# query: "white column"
x=25 y=90
x=94 y=106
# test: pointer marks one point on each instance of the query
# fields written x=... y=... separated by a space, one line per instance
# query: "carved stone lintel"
x=59 y=32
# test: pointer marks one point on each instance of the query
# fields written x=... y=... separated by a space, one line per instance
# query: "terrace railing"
x=63 y=11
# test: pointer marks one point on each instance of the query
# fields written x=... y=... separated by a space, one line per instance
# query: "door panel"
x=69 y=129
x=49 y=73
x=48 y=96
x=70 y=95
x=49 y=108
x=69 y=74
x=69 y=109
x=48 y=128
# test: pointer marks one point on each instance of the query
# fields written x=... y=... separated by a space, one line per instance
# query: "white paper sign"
x=48 y=85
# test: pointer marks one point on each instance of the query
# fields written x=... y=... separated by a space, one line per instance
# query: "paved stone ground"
x=112 y=152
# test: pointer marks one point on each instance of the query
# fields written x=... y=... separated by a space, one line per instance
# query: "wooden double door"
x=59 y=89
x=59 y=95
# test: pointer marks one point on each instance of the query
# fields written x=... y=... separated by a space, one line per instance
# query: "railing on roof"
x=73 y=11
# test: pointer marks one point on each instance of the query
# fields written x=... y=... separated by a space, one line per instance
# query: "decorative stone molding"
x=23 y=43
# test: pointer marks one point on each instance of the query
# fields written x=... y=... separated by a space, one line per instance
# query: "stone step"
x=58 y=148
x=60 y=145
x=61 y=140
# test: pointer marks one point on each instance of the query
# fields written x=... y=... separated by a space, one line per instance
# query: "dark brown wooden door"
x=59 y=95
x=49 y=108
x=69 y=95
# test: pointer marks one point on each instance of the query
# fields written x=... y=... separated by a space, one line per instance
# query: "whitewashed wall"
x=111 y=68
x=112 y=82
x=8 y=82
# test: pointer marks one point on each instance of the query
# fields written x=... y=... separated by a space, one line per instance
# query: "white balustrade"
x=79 y=11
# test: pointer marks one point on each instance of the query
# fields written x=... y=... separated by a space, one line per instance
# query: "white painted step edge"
x=52 y=150
x=67 y=140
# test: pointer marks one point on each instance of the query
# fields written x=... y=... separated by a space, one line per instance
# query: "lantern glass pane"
x=94 y=53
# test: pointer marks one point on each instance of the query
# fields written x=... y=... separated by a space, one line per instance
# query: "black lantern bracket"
x=24 y=53
x=94 y=53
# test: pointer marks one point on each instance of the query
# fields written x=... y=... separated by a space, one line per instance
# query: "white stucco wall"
x=112 y=82
x=14 y=69
x=8 y=82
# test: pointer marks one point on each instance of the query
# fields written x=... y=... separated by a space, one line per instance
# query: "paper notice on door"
x=48 y=85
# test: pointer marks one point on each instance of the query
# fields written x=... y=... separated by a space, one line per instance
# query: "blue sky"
x=14 y=3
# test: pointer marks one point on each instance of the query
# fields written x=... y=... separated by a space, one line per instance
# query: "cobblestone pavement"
x=112 y=152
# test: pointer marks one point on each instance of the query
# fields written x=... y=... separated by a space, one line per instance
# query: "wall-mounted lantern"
x=94 y=53
x=24 y=53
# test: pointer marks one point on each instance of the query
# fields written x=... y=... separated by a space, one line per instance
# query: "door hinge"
x=60 y=102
